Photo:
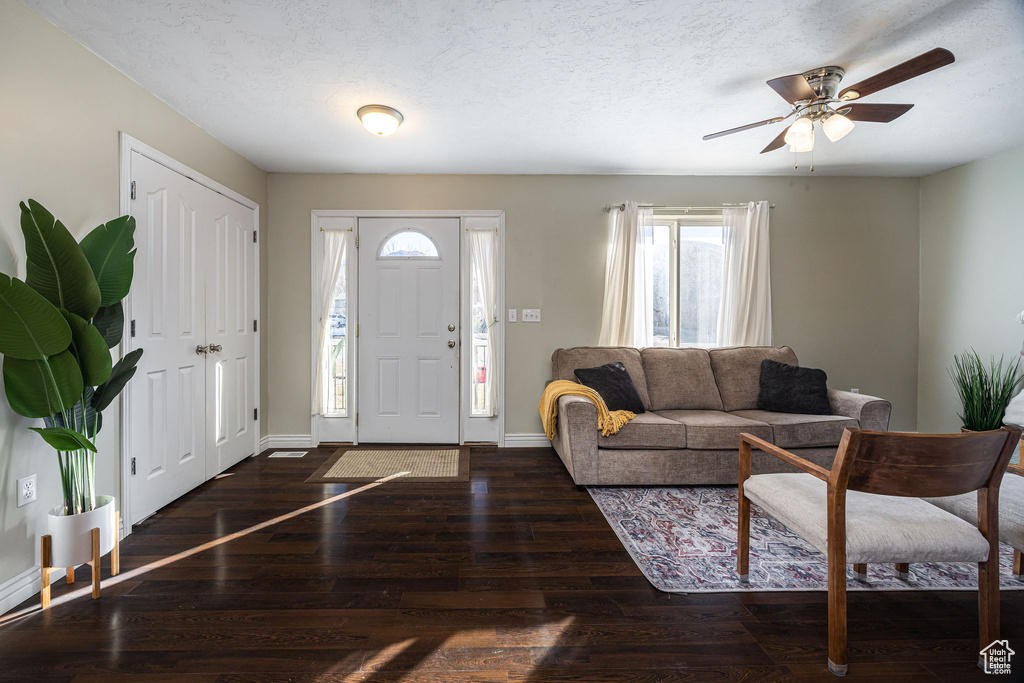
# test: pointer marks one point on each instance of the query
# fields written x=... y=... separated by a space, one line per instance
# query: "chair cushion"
x=738 y=372
x=802 y=431
x=715 y=430
x=680 y=379
x=1011 y=509
x=646 y=431
x=564 y=362
x=613 y=383
x=878 y=528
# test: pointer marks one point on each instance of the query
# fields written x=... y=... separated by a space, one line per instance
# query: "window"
x=684 y=273
x=408 y=244
x=337 y=338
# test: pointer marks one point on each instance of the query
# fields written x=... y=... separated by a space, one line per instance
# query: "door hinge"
x=357 y=329
x=357 y=419
x=255 y=413
x=357 y=241
x=133 y=327
x=133 y=189
x=253 y=325
x=254 y=237
x=133 y=465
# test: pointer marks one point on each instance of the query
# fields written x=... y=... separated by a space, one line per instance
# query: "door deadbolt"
x=451 y=328
x=451 y=343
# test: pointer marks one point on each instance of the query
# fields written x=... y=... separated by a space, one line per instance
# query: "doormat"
x=357 y=466
x=683 y=539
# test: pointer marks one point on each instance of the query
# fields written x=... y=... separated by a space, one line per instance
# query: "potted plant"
x=56 y=331
x=984 y=391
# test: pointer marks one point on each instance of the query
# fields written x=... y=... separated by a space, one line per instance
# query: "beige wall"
x=844 y=270
x=60 y=113
x=972 y=275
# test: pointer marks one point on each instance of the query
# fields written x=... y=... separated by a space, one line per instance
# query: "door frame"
x=466 y=333
x=128 y=145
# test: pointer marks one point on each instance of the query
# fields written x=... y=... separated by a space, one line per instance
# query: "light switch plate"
x=512 y=315
x=26 y=490
x=531 y=315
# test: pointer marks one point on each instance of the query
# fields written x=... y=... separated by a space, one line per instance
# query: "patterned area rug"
x=684 y=541
x=353 y=465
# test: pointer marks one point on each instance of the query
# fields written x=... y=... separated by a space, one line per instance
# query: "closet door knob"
x=202 y=350
x=216 y=348
x=451 y=343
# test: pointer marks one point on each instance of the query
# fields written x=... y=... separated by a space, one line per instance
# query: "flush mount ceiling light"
x=379 y=119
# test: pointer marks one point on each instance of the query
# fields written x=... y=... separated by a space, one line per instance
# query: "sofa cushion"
x=564 y=363
x=878 y=528
x=1011 y=509
x=715 y=430
x=614 y=384
x=738 y=372
x=802 y=431
x=647 y=431
x=680 y=379
x=789 y=388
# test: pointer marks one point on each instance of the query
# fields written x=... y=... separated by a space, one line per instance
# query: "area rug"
x=359 y=465
x=684 y=541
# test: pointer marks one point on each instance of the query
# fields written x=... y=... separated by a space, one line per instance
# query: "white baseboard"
x=537 y=440
x=24 y=586
x=286 y=441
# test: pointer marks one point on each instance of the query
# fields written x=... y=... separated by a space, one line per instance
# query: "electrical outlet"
x=26 y=490
x=531 y=315
x=512 y=315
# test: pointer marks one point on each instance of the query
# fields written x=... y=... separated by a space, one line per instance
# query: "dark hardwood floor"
x=514 y=576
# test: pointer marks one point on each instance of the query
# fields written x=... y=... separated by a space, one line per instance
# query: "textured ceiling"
x=561 y=86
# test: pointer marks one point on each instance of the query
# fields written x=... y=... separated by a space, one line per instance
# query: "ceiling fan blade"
x=793 y=88
x=922 y=64
x=766 y=122
x=875 y=113
x=779 y=141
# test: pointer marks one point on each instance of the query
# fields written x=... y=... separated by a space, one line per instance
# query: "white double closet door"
x=193 y=398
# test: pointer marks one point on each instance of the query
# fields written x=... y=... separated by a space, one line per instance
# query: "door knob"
x=451 y=343
x=216 y=348
x=451 y=328
x=202 y=350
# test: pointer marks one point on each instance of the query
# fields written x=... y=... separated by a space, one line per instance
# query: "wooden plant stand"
x=46 y=561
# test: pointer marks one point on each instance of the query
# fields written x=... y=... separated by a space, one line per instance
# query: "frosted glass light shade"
x=379 y=119
x=803 y=145
x=801 y=130
x=836 y=127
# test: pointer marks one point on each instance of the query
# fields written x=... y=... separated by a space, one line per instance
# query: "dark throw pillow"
x=614 y=384
x=791 y=389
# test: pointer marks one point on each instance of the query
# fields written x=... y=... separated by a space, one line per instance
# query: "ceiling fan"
x=814 y=98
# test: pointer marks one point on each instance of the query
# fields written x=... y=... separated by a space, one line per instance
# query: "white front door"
x=408 y=343
x=190 y=413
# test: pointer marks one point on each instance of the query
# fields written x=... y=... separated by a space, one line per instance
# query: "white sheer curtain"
x=483 y=264
x=626 y=317
x=745 y=313
x=334 y=258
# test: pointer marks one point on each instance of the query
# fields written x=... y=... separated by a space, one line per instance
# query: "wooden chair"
x=835 y=511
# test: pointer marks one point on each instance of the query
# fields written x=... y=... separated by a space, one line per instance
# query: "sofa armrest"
x=873 y=413
x=576 y=437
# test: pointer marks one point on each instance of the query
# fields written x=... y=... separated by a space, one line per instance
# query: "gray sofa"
x=698 y=403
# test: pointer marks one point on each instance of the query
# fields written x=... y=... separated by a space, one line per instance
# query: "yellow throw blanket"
x=608 y=421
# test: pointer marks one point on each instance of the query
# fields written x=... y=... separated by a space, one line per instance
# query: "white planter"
x=71 y=537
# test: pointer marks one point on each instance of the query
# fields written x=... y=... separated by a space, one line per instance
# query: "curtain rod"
x=684 y=209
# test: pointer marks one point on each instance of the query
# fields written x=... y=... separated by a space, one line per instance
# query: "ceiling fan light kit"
x=814 y=98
